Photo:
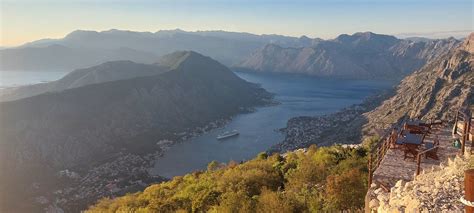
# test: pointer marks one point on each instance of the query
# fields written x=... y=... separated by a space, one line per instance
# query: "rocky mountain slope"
x=361 y=55
x=94 y=47
x=82 y=126
x=434 y=91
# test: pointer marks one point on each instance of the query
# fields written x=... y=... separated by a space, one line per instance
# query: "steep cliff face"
x=85 y=124
x=361 y=55
x=434 y=91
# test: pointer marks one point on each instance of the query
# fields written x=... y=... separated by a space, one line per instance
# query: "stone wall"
x=435 y=190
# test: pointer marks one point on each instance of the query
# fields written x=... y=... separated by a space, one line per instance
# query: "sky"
x=28 y=20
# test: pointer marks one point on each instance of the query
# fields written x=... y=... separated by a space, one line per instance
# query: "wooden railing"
x=471 y=133
x=377 y=153
x=465 y=117
x=418 y=159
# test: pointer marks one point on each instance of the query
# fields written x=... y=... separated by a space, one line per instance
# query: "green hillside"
x=319 y=179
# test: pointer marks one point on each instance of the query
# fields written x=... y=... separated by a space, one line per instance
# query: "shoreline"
x=342 y=127
x=126 y=172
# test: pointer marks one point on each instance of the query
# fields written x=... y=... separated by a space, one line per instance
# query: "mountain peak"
x=271 y=47
x=80 y=33
x=469 y=43
x=364 y=36
x=175 y=59
x=167 y=32
x=367 y=40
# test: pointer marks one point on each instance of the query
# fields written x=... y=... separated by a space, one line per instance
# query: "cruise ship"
x=227 y=134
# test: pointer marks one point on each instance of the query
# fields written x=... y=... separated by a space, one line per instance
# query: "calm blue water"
x=18 y=78
x=299 y=95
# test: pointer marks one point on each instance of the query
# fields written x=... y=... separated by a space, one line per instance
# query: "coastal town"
x=128 y=173
x=123 y=173
x=342 y=127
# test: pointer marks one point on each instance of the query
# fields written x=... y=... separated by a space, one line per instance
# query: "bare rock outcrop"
x=438 y=190
x=433 y=92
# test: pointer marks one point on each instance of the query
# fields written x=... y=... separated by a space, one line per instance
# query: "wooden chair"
x=417 y=129
x=433 y=153
x=409 y=149
x=393 y=139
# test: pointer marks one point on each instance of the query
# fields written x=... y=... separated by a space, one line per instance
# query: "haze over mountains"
x=197 y=91
x=95 y=118
x=361 y=55
x=108 y=71
x=97 y=47
x=59 y=57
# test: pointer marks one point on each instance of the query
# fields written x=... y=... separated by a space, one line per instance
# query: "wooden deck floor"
x=393 y=167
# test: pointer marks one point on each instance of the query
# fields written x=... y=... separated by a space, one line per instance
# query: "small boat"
x=227 y=134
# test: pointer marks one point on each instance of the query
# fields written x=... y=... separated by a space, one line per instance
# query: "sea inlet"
x=298 y=96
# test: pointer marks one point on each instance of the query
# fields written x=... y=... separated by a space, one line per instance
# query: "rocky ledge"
x=438 y=190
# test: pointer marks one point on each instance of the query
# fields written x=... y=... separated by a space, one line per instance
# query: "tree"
x=345 y=191
x=213 y=165
x=272 y=202
x=235 y=202
x=262 y=156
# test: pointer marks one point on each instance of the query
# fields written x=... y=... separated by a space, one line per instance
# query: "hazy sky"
x=27 y=20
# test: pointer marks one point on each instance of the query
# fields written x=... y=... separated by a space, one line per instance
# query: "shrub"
x=326 y=179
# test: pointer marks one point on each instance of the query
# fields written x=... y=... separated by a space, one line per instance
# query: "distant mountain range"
x=60 y=57
x=81 y=49
x=361 y=55
x=93 y=114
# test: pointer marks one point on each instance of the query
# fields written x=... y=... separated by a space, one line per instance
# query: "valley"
x=83 y=127
x=126 y=119
x=131 y=169
x=260 y=129
x=297 y=175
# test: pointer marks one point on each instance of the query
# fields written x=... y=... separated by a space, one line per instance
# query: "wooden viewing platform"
x=394 y=167
x=388 y=163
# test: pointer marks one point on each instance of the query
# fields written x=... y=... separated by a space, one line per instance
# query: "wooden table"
x=410 y=138
x=411 y=142
x=417 y=127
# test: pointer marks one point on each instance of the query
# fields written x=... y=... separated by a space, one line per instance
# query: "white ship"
x=227 y=134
